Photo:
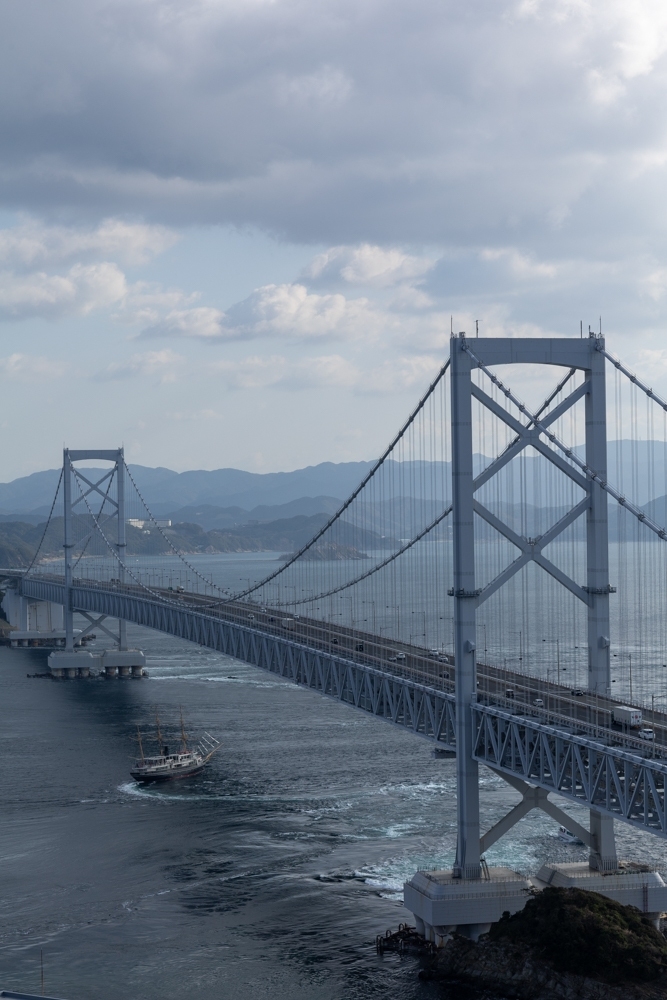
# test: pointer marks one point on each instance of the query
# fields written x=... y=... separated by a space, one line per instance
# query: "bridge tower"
x=443 y=899
x=72 y=662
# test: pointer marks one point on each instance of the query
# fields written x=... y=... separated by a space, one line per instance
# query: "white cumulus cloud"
x=33 y=244
x=288 y=311
x=368 y=265
x=79 y=291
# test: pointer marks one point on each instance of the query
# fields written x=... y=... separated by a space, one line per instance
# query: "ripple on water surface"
x=266 y=877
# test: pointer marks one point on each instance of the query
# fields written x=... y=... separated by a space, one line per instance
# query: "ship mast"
x=159 y=733
x=184 y=735
x=141 y=746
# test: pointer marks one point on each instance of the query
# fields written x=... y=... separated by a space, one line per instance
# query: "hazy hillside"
x=641 y=477
x=18 y=540
x=166 y=491
x=209 y=516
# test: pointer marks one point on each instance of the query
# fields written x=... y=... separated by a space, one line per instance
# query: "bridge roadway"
x=588 y=713
x=566 y=745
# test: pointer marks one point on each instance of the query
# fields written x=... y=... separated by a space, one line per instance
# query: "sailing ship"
x=165 y=766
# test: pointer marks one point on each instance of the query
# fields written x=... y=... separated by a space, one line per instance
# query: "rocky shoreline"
x=566 y=944
x=517 y=972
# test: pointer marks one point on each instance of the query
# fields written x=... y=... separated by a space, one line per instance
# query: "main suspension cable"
x=341 y=510
x=617 y=363
x=370 y=572
x=48 y=522
x=209 y=583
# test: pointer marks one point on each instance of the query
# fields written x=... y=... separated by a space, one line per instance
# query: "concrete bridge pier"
x=442 y=902
x=72 y=664
x=111 y=662
x=123 y=663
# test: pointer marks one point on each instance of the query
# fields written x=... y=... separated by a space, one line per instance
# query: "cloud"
x=201 y=322
x=149 y=304
x=27 y=368
x=78 y=292
x=345 y=125
x=277 y=371
x=261 y=372
x=33 y=244
x=520 y=265
x=288 y=311
x=164 y=364
x=654 y=284
x=368 y=265
x=327 y=87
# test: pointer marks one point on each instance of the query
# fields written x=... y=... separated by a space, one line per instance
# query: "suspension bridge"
x=496 y=584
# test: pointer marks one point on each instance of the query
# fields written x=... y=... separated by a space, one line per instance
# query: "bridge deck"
x=567 y=745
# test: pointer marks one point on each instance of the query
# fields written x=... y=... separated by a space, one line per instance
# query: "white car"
x=647 y=734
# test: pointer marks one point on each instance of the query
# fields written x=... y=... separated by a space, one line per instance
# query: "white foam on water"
x=216 y=679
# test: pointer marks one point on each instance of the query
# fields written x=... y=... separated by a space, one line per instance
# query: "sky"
x=238 y=232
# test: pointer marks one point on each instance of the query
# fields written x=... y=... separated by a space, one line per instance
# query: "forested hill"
x=19 y=541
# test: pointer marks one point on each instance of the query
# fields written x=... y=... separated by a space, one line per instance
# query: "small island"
x=565 y=943
x=327 y=552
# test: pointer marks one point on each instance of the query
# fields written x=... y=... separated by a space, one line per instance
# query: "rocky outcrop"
x=518 y=972
x=564 y=944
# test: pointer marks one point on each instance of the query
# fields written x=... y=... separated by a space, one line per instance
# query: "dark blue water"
x=267 y=877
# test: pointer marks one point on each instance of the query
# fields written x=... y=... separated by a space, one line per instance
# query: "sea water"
x=268 y=876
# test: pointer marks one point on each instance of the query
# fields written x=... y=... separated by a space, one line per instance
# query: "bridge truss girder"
x=610 y=780
x=533 y=758
x=417 y=707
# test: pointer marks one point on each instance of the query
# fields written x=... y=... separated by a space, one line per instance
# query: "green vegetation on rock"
x=19 y=541
x=582 y=932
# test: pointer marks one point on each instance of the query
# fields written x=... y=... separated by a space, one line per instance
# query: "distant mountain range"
x=166 y=491
x=224 y=497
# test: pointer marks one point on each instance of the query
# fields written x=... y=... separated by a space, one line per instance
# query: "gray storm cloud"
x=467 y=124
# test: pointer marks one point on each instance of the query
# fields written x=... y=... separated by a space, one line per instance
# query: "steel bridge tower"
x=73 y=662
x=470 y=874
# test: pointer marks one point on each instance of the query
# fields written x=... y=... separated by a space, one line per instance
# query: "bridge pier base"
x=71 y=664
x=123 y=662
x=442 y=902
x=631 y=884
